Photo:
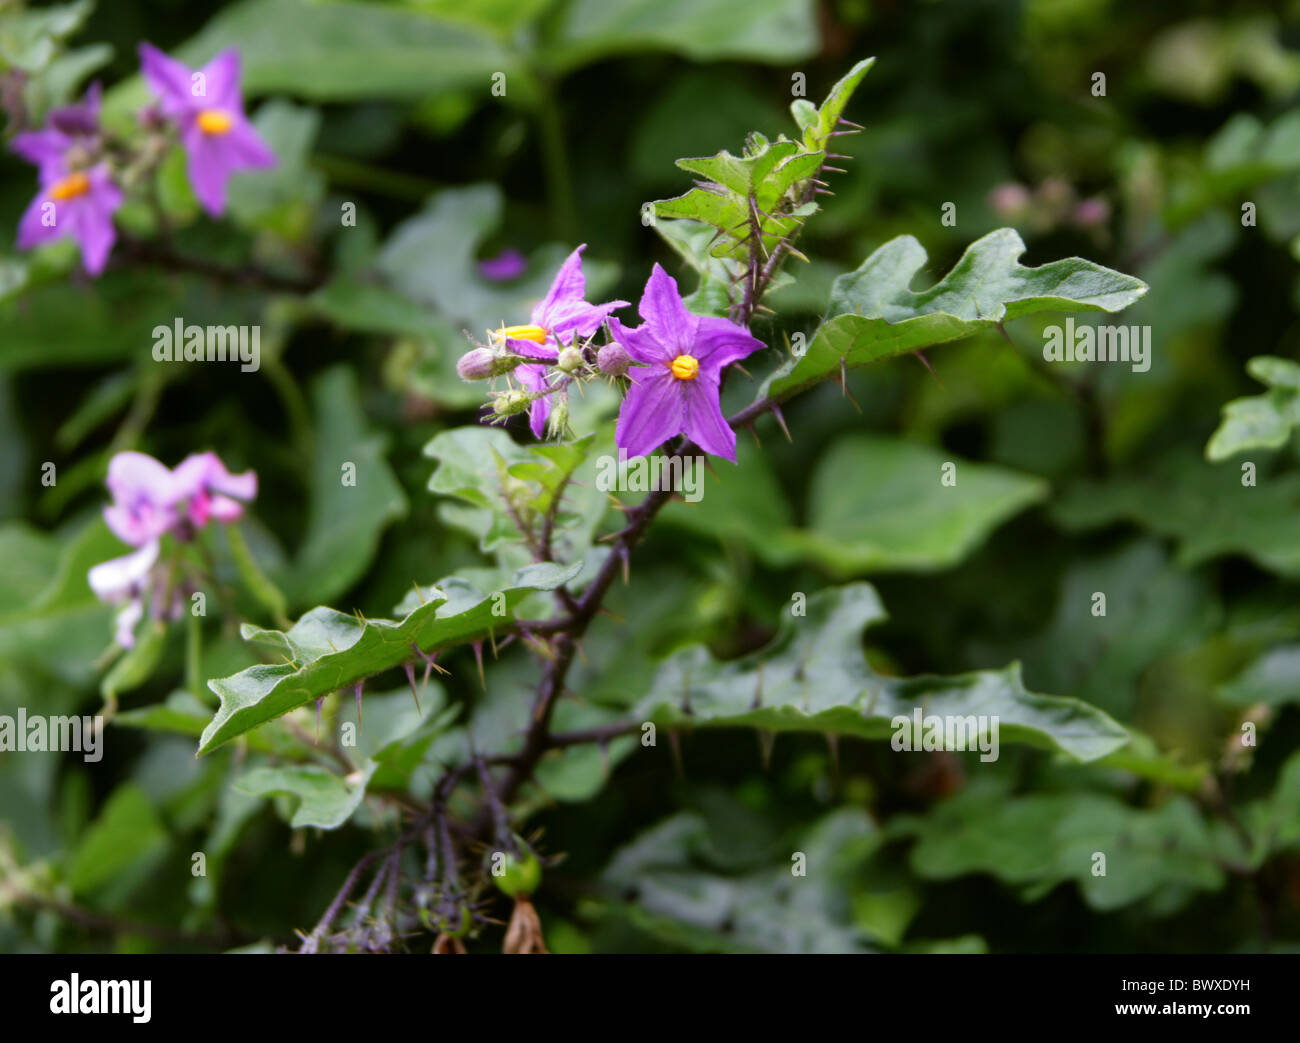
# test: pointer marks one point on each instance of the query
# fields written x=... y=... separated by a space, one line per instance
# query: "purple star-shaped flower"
x=677 y=388
x=78 y=197
x=78 y=205
x=209 y=112
x=560 y=317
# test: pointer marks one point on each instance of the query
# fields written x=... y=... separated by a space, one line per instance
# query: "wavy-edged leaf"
x=814 y=677
x=324 y=800
x=327 y=650
x=874 y=314
x=1260 y=421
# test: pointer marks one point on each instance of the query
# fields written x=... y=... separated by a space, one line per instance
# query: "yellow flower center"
x=685 y=367
x=70 y=187
x=214 y=121
x=537 y=334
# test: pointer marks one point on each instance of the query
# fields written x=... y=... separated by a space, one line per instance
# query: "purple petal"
x=209 y=169
x=651 y=413
x=45 y=149
x=32 y=231
x=534 y=379
x=581 y=318
x=92 y=221
x=245 y=146
x=222 y=75
x=642 y=343
x=530 y=349
x=203 y=472
x=569 y=284
x=114 y=580
x=718 y=343
x=169 y=79
x=661 y=306
x=704 y=423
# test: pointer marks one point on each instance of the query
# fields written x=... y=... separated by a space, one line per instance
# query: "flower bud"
x=558 y=421
x=613 y=359
x=570 y=360
x=508 y=403
x=482 y=363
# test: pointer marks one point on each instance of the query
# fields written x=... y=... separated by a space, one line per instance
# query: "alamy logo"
x=181 y=343
x=643 y=474
x=1088 y=343
x=102 y=997
x=40 y=734
x=935 y=732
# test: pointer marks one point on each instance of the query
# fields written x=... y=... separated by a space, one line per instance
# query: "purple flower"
x=209 y=112
x=150 y=501
x=677 y=390
x=204 y=487
x=558 y=319
x=79 y=206
x=67 y=128
x=78 y=198
x=506 y=266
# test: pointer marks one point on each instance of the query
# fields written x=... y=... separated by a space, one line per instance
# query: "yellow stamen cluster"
x=70 y=187
x=214 y=121
x=537 y=334
x=684 y=367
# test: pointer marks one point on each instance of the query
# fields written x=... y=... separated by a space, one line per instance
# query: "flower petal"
x=222 y=86
x=169 y=79
x=569 y=284
x=704 y=423
x=530 y=349
x=534 y=379
x=651 y=413
x=718 y=343
x=642 y=343
x=662 y=307
x=116 y=579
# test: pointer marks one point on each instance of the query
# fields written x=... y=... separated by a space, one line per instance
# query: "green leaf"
x=324 y=800
x=814 y=677
x=337 y=51
x=506 y=485
x=283 y=199
x=345 y=520
x=1206 y=508
x=65 y=627
x=1042 y=840
x=818 y=124
x=1260 y=421
x=125 y=841
x=430 y=258
x=688 y=895
x=880 y=503
x=772 y=31
x=874 y=314
x=1272 y=678
x=138 y=664
x=326 y=650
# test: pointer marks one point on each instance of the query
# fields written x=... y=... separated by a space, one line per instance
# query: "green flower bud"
x=570 y=360
x=508 y=403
